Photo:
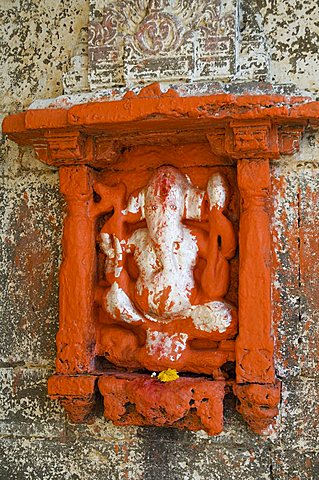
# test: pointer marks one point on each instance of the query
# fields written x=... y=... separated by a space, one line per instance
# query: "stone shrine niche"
x=164 y=272
x=167 y=253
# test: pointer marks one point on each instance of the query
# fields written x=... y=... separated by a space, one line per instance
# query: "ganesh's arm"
x=213 y=321
x=118 y=304
x=112 y=233
x=226 y=235
x=221 y=247
x=202 y=242
x=134 y=211
x=116 y=300
x=119 y=253
x=133 y=217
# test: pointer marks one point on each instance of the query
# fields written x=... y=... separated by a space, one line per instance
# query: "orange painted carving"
x=158 y=189
x=193 y=403
x=77 y=395
x=254 y=344
x=166 y=273
x=258 y=404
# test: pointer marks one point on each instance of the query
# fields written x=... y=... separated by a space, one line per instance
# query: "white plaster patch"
x=166 y=346
x=211 y=317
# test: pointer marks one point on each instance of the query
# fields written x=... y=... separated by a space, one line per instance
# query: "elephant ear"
x=136 y=205
x=217 y=190
x=194 y=198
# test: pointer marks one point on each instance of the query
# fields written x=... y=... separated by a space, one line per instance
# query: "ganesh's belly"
x=162 y=299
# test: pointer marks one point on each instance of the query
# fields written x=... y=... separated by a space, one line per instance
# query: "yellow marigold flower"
x=168 y=375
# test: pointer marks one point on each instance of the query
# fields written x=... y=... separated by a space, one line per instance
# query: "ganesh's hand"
x=212 y=316
x=114 y=249
x=107 y=245
x=120 y=307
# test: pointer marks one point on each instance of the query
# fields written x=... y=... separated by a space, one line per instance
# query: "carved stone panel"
x=137 y=41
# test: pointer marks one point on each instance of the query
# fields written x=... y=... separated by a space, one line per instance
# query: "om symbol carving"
x=166 y=274
x=159 y=33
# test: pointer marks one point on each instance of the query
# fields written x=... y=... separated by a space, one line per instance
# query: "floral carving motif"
x=159 y=33
x=146 y=39
x=251 y=138
x=103 y=33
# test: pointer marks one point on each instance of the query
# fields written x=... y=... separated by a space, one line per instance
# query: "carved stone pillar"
x=254 y=344
x=76 y=336
x=253 y=144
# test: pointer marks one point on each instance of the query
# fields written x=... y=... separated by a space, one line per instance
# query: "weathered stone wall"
x=277 y=45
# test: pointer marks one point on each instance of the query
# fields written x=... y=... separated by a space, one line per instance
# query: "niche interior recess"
x=166 y=252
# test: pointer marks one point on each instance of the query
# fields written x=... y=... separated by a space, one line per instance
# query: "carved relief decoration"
x=158 y=33
x=134 y=41
x=166 y=252
x=138 y=41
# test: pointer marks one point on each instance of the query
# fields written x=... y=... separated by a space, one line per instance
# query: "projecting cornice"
x=250 y=126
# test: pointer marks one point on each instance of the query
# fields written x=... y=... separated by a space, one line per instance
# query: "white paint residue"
x=166 y=346
x=118 y=257
x=211 y=317
x=106 y=245
x=193 y=203
x=216 y=191
x=112 y=247
x=120 y=306
x=165 y=253
x=136 y=203
x=166 y=272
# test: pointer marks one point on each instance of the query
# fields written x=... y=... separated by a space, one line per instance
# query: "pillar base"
x=77 y=394
x=258 y=404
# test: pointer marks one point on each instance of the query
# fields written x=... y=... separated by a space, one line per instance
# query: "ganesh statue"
x=165 y=252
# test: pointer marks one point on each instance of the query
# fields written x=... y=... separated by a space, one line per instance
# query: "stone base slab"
x=186 y=403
